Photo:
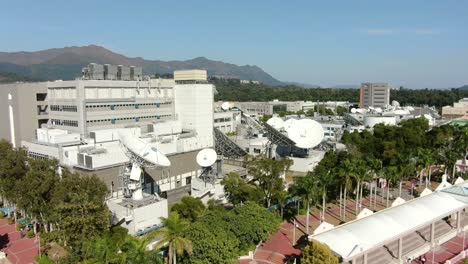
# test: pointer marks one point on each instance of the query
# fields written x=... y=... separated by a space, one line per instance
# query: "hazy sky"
x=414 y=43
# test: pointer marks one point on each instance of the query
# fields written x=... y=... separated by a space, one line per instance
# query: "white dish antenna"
x=353 y=110
x=276 y=122
x=206 y=157
x=143 y=150
x=395 y=103
x=225 y=106
x=378 y=110
x=288 y=123
x=306 y=133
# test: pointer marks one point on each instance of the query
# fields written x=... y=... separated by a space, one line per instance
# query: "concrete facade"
x=375 y=95
x=29 y=110
x=85 y=105
x=458 y=110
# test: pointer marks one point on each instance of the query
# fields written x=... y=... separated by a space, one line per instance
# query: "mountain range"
x=66 y=63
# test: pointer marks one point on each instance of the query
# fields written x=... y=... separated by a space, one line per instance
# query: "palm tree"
x=375 y=169
x=360 y=172
x=171 y=236
x=324 y=180
x=306 y=188
x=424 y=161
x=390 y=174
x=347 y=172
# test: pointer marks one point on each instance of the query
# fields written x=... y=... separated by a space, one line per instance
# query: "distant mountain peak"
x=66 y=63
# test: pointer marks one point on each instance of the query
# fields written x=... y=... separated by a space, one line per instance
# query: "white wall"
x=194 y=108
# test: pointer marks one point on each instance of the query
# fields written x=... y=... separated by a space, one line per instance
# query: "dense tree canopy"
x=233 y=90
x=318 y=253
x=221 y=236
x=189 y=208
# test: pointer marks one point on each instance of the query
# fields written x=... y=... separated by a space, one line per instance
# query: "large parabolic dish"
x=306 y=133
x=288 y=123
x=143 y=150
x=276 y=122
x=206 y=157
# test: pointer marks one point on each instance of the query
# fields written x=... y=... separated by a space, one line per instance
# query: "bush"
x=2 y=215
x=30 y=234
x=11 y=220
x=19 y=226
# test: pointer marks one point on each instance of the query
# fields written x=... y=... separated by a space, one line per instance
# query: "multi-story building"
x=458 y=110
x=23 y=108
x=226 y=121
x=81 y=106
x=77 y=123
x=375 y=95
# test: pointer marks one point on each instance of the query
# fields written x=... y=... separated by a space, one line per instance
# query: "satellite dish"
x=276 y=122
x=206 y=157
x=395 y=103
x=225 y=106
x=288 y=123
x=306 y=133
x=378 y=110
x=353 y=110
x=143 y=150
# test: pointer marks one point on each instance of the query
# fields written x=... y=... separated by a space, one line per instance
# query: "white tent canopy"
x=365 y=212
x=354 y=238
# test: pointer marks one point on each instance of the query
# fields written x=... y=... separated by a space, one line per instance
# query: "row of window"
x=136 y=119
x=37 y=156
x=60 y=122
x=220 y=120
x=114 y=106
x=65 y=108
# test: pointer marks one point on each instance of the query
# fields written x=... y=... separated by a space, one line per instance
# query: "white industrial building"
x=177 y=118
x=87 y=116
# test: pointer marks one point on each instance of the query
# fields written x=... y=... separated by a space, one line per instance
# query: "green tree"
x=318 y=253
x=306 y=187
x=171 y=234
x=251 y=224
x=267 y=173
x=189 y=208
x=238 y=191
x=79 y=210
x=12 y=169
x=37 y=189
x=211 y=244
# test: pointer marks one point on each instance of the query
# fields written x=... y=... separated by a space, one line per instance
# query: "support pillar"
x=400 y=249
x=459 y=214
x=432 y=234
x=353 y=261
x=365 y=258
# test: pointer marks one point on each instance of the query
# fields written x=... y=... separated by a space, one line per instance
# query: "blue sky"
x=414 y=43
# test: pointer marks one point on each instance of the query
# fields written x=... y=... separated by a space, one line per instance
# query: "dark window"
x=41 y=96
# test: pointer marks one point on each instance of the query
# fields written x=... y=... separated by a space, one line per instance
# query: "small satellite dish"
x=225 y=106
x=378 y=110
x=276 y=122
x=306 y=133
x=395 y=103
x=206 y=157
x=353 y=110
x=371 y=108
